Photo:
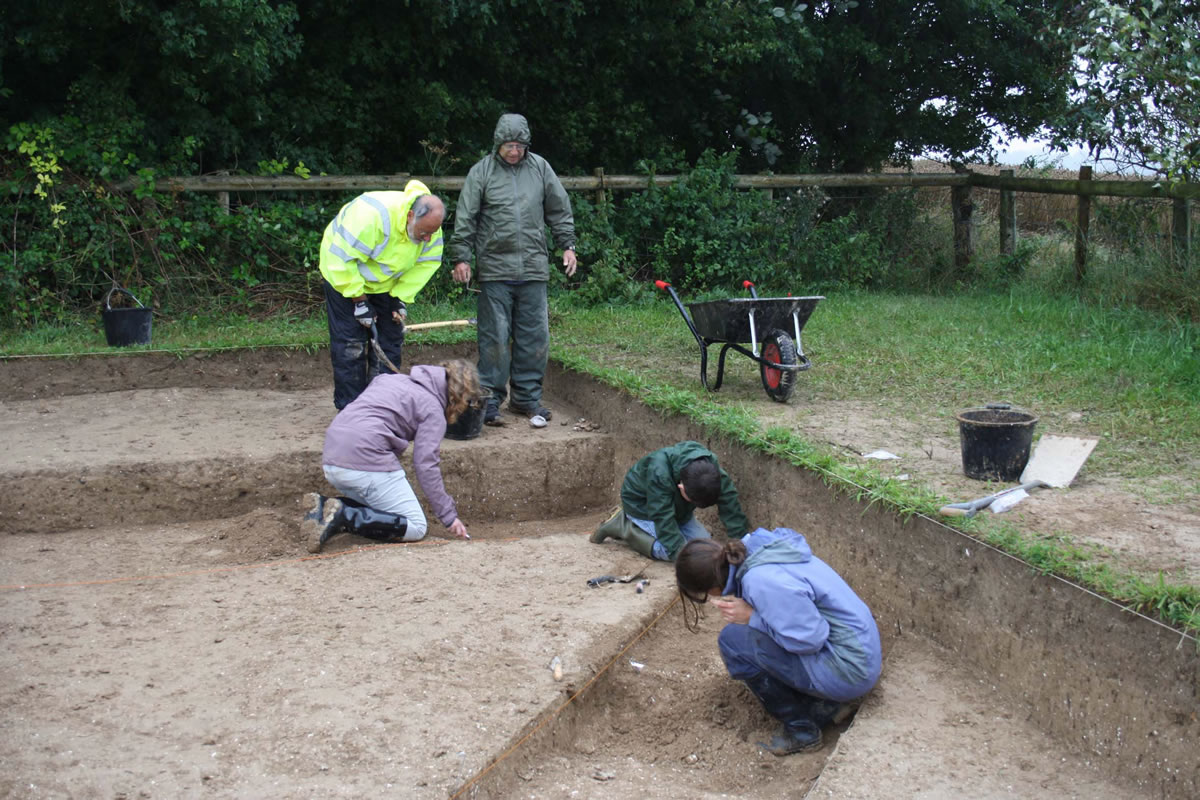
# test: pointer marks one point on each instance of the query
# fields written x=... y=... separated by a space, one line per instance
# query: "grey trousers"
x=514 y=340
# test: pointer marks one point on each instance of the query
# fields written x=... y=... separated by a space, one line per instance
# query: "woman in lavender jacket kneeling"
x=362 y=456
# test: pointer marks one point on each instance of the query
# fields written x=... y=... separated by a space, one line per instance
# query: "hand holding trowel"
x=1055 y=463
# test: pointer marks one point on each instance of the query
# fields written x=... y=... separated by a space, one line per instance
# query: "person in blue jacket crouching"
x=798 y=636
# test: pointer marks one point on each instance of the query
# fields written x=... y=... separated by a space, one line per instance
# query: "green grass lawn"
x=1130 y=376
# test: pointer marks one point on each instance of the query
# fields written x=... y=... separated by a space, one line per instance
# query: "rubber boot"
x=615 y=527
x=323 y=519
x=800 y=734
x=374 y=524
x=831 y=712
x=639 y=541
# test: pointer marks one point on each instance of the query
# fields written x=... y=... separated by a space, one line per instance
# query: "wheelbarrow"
x=772 y=322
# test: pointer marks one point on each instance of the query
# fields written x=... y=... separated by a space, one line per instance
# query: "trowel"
x=1055 y=462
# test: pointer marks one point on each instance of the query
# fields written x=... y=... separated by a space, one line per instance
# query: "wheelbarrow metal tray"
x=729 y=320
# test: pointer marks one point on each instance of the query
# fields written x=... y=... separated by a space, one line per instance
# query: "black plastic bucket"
x=995 y=441
x=469 y=423
x=126 y=326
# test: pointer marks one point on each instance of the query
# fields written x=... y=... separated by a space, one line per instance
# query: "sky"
x=1019 y=150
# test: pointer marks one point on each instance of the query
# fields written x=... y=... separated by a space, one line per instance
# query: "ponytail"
x=703 y=565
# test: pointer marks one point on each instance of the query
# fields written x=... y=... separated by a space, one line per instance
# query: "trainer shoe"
x=535 y=410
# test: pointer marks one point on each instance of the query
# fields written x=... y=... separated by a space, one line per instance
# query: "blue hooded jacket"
x=809 y=610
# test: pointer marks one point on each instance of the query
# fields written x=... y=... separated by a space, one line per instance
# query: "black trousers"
x=354 y=360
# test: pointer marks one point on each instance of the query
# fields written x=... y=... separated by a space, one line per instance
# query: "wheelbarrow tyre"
x=778 y=348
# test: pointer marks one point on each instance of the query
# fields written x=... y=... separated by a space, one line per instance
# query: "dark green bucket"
x=127 y=325
x=995 y=441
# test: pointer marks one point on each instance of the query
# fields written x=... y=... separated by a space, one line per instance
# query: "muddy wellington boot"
x=800 y=733
x=615 y=527
x=640 y=542
x=831 y=712
x=323 y=519
x=618 y=526
x=374 y=524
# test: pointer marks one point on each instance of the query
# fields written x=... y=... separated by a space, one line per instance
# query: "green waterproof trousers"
x=514 y=340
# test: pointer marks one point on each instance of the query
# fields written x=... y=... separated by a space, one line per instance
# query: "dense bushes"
x=72 y=238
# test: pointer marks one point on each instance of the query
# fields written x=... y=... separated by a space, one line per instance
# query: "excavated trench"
x=165 y=630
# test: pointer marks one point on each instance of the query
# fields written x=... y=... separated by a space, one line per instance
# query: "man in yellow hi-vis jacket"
x=377 y=253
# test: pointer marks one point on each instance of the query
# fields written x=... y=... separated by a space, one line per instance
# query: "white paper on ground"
x=881 y=454
x=537 y=421
x=1005 y=502
x=1057 y=459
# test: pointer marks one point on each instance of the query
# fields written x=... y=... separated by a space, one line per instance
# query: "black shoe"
x=491 y=411
x=535 y=410
x=801 y=736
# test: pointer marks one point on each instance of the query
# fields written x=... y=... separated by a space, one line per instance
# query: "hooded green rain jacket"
x=503 y=211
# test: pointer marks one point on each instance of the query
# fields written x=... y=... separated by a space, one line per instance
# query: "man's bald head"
x=425 y=217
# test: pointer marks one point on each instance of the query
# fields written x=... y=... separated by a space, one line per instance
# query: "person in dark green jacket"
x=507 y=200
x=660 y=495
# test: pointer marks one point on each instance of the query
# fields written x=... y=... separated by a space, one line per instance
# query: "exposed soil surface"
x=176 y=640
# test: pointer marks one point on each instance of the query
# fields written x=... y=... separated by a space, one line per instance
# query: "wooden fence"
x=962 y=184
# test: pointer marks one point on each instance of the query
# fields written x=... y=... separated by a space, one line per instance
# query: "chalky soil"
x=166 y=634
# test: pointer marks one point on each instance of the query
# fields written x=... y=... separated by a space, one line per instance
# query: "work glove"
x=364 y=314
x=398 y=305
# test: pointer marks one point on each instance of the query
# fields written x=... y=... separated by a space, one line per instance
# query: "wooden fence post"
x=223 y=197
x=1008 y=217
x=599 y=173
x=962 y=209
x=1082 y=220
x=1181 y=231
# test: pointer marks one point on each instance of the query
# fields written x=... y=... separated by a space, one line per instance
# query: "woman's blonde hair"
x=462 y=388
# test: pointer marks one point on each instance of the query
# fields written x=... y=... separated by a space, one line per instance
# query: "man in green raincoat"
x=507 y=200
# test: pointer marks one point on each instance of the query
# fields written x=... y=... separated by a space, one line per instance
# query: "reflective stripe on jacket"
x=366 y=249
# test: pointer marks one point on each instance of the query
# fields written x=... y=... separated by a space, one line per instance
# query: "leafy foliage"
x=1137 y=97
x=203 y=85
x=699 y=231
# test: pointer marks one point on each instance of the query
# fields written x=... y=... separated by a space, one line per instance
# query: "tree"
x=1137 y=86
x=148 y=76
x=834 y=85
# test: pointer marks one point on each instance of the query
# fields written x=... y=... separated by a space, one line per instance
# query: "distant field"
x=1041 y=213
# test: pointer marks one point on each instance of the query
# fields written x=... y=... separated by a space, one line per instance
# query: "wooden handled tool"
x=449 y=323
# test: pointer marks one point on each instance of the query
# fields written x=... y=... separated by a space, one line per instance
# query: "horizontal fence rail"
x=599 y=182
x=961 y=183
